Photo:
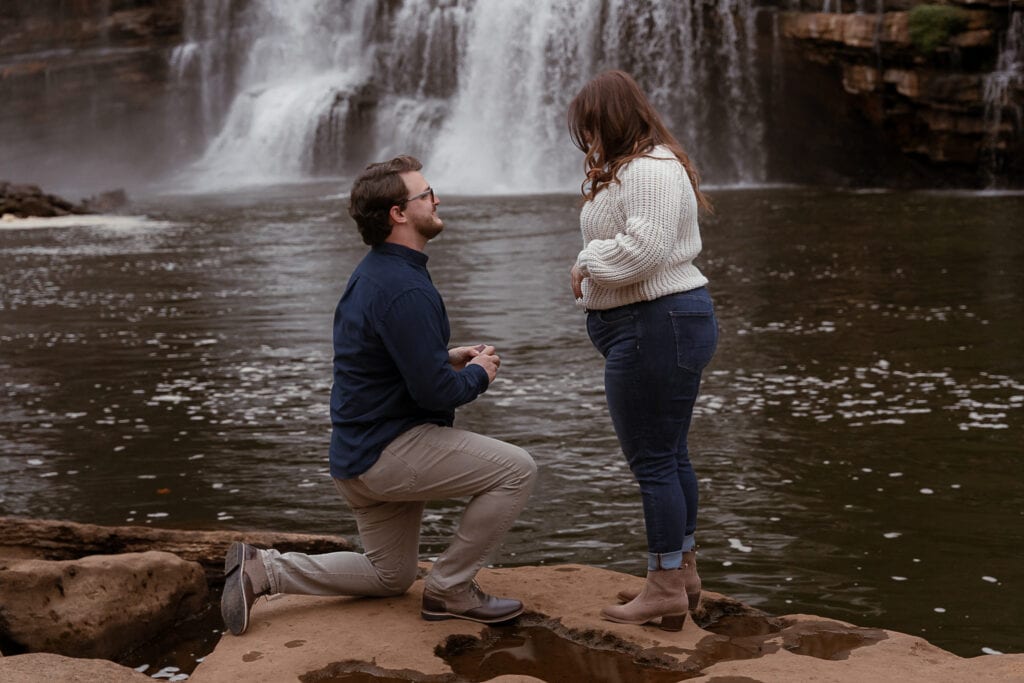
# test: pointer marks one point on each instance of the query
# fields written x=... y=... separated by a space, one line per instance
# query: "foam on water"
x=103 y=221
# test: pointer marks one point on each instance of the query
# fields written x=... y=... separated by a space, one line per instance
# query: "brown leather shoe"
x=472 y=605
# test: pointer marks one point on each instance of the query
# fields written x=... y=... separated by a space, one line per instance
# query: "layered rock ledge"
x=934 y=103
x=560 y=638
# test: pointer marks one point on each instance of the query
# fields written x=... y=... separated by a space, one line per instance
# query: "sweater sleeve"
x=652 y=196
x=413 y=333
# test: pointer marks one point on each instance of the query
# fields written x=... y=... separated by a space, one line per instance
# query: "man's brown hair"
x=376 y=190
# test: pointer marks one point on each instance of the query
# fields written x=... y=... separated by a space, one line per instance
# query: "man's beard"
x=430 y=227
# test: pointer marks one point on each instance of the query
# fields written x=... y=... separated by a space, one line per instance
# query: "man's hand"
x=461 y=355
x=488 y=360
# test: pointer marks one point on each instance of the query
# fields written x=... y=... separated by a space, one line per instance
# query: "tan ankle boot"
x=662 y=596
x=691 y=582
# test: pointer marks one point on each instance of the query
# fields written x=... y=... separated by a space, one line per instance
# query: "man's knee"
x=525 y=466
x=396 y=581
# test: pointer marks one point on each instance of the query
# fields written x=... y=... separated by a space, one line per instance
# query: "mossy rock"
x=931 y=26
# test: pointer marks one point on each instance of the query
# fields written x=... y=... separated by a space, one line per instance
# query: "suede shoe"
x=245 y=580
x=473 y=605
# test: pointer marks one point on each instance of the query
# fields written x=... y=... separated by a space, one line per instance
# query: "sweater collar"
x=418 y=258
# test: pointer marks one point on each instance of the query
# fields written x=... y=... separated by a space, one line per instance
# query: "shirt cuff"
x=482 y=381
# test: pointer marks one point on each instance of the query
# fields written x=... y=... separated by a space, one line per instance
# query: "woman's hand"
x=577 y=281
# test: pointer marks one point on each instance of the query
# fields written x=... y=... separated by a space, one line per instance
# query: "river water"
x=858 y=440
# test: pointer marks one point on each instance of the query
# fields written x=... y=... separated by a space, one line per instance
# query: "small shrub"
x=932 y=25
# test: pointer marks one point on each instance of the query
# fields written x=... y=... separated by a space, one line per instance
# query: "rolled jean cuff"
x=689 y=543
x=656 y=561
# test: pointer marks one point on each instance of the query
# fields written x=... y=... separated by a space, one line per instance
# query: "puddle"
x=183 y=647
x=524 y=650
x=744 y=632
x=728 y=617
x=539 y=652
x=735 y=631
x=829 y=641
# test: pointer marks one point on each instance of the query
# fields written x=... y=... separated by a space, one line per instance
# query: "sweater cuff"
x=582 y=263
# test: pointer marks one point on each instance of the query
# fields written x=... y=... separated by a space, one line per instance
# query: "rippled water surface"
x=858 y=441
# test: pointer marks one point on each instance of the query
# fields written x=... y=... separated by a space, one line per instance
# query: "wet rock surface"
x=562 y=638
x=100 y=605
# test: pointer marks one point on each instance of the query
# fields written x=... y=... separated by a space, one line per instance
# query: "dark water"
x=859 y=439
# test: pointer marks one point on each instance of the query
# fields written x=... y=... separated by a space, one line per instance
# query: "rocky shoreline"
x=75 y=598
x=28 y=201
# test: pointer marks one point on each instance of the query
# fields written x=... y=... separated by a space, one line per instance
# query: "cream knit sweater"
x=640 y=235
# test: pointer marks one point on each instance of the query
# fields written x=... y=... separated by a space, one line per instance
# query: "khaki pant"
x=427 y=462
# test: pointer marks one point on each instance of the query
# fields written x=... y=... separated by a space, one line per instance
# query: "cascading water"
x=1008 y=75
x=284 y=68
x=477 y=89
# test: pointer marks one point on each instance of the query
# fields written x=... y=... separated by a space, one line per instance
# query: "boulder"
x=97 y=606
x=33 y=668
x=29 y=200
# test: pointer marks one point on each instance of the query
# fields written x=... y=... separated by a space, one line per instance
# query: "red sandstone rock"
x=292 y=636
x=33 y=668
x=99 y=606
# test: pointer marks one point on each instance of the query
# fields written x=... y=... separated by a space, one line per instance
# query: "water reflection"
x=858 y=439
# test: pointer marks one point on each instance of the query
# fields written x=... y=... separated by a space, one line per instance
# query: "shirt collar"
x=418 y=258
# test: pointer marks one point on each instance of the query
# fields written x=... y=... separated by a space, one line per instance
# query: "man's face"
x=421 y=208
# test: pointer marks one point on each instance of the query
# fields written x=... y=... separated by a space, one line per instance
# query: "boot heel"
x=672 y=622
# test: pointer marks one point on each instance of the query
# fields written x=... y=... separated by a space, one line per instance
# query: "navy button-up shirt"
x=391 y=368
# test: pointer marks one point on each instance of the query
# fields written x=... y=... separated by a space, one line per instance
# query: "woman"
x=650 y=316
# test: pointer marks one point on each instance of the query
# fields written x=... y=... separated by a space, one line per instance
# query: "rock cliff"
x=86 y=80
x=933 y=94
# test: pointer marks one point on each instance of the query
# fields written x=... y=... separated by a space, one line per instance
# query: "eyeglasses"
x=421 y=195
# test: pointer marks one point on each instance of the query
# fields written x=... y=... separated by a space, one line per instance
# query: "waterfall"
x=1008 y=75
x=274 y=79
x=477 y=89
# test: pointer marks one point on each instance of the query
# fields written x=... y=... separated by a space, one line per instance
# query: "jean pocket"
x=614 y=316
x=612 y=327
x=696 y=333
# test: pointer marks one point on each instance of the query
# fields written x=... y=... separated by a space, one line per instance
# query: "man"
x=393 y=447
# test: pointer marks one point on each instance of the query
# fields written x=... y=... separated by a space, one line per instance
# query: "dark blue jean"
x=654 y=354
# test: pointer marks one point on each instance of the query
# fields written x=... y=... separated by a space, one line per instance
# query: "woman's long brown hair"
x=612 y=122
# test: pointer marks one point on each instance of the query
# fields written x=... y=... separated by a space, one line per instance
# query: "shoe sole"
x=692 y=598
x=669 y=622
x=237 y=621
x=442 y=616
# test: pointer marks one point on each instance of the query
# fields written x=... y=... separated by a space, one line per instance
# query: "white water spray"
x=477 y=89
